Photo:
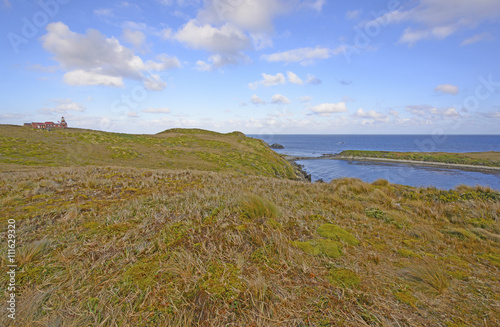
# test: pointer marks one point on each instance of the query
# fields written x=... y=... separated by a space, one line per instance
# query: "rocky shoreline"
x=408 y=162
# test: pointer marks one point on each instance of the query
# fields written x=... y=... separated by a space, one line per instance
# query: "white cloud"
x=93 y=59
x=326 y=109
x=257 y=100
x=93 y=77
x=225 y=39
x=432 y=112
x=251 y=15
x=372 y=114
x=305 y=56
x=269 y=80
x=278 y=98
x=154 y=83
x=476 y=38
x=136 y=38
x=293 y=78
x=217 y=61
x=305 y=99
x=163 y=62
x=63 y=106
x=447 y=88
x=226 y=43
x=156 y=110
x=438 y=19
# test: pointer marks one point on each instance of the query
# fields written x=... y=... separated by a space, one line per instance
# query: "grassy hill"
x=172 y=149
x=132 y=246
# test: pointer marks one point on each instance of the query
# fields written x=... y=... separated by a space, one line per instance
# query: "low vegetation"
x=104 y=246
x=490 y=159
x=124 y=242
x=172 y=149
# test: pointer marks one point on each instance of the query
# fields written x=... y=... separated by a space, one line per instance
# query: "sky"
x=255 y=66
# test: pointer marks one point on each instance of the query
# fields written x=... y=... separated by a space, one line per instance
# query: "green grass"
x=104 y=241
x=173 y=149
x=490 y=159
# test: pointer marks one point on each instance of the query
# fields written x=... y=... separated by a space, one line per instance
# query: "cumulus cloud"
x=225 y=42
x=62 y=106
x=136 y=38
x=257 y=100
x=304 y=56
x=224 y=39
x=438 y=19
x=156 y=110
x=326 y=109
x=280 y=99
x=250 y=15
x=83 y=77
x=93 y=59
x=269 y=80
x=447 y=88
x=293 y=78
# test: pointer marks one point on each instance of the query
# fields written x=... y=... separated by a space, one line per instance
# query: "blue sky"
x=257 y=66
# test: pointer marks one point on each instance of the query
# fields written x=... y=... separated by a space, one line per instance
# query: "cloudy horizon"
x=257 y=66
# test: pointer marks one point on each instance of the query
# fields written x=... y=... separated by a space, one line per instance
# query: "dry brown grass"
x=140 y=247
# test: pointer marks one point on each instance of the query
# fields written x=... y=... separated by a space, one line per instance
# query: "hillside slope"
x=143 y=247
x=172 y=149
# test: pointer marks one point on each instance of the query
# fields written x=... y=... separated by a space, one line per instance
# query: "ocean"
x=420 y=176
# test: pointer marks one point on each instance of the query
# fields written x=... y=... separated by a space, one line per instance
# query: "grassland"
x=484 y=159
x=173 y=149
x=132 y=246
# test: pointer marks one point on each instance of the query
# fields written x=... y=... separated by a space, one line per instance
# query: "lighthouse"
x=63 y=123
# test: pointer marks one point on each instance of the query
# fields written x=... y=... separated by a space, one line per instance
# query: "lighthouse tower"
x=63 y=123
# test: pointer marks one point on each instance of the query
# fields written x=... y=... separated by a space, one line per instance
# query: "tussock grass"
x=428 y=276
x=111 y=246
x=253 y=207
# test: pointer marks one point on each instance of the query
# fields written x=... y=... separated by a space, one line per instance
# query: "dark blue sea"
x=443 y=178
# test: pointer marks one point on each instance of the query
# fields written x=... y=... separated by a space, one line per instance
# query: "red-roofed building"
x=48 y=124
